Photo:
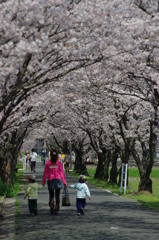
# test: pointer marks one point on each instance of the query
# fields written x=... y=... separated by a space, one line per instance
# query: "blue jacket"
x=82 y=190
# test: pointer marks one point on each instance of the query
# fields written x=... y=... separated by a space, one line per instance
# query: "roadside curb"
x=1 y=205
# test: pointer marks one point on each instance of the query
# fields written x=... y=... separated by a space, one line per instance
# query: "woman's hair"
x=53 y=155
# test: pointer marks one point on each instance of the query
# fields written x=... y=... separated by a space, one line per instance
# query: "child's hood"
x=33 y=185
x=80 y=186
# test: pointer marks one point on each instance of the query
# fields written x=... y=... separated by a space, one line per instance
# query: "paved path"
x=7 y=225
x=107 y=217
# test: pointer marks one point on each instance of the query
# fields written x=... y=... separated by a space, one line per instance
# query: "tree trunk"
x=145 y=167
x=114 y=170
x=6 y=170
x=107 y=163
x=8 y=158
x=3 y=169
x=9 y=176
x=145 y=183
x=102 y=170
x=80 y=165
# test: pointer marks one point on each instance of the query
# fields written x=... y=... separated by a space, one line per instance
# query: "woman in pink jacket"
x=54 y=172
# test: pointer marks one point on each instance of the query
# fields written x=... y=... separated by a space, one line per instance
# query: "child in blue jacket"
x=82 y=191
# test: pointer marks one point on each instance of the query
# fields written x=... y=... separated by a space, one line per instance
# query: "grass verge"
x=18 y=179
x=9 y=192
x=99 y=183
x=147 y=199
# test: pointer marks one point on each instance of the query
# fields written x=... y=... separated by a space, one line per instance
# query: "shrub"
x=6 y=191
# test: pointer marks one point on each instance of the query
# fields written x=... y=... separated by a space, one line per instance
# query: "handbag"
x=65 y=197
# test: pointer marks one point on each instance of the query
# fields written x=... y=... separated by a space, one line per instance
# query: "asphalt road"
x=107 y=217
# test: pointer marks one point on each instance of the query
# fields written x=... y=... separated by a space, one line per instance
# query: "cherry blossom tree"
x=91 y=64
x=35 y=50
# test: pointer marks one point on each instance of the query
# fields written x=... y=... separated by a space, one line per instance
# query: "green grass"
x=99 y=183
x=134 y=172
x=145 y=198
x=18 y=179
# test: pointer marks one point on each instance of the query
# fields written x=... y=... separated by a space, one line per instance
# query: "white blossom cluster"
x=85 y=67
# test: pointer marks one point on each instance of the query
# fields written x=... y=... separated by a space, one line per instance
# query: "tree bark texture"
x=146 y=163
x=102 y=170
x=6 y=169
x=80 y=165
x=8 y=158
x=114 y=170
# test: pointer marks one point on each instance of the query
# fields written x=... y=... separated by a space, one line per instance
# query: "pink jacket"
x=53 y=171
